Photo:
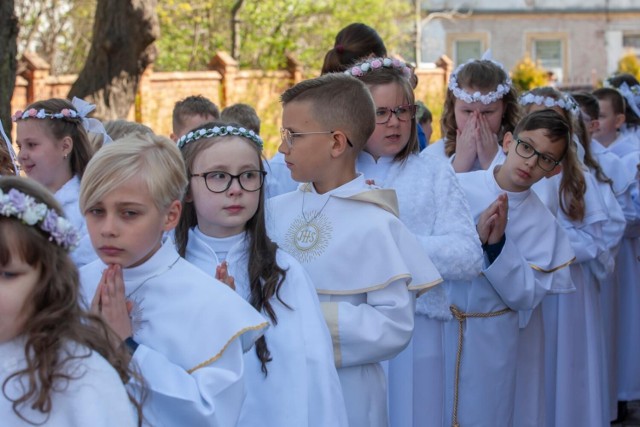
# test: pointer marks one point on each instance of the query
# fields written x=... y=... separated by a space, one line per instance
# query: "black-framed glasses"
x=287 y=136
x=402 y=113
x=219 y=181
x=526 y=151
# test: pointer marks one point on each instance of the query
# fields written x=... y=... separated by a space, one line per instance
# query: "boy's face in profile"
x=531 y=156
x=309 y=145
x=126 y=227
x=608 y=123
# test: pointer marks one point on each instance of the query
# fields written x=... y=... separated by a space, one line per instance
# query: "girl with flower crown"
x=576 y=388
x=480 y=107
x=59 y=367
x=434 y=208
x=291 y=379
x=54 y=151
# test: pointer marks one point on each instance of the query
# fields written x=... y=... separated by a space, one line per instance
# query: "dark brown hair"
x=67 y=126
x=56 y=317
x=483 y=76
x=194 y=105
x=353 y=42
x=243 y=114
x=265 y=275
x=631 y=118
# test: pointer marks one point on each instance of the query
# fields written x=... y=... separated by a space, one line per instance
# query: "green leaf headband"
x=224 y=130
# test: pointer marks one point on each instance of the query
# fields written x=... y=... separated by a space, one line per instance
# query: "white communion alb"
x=192 y=332
x=364 y=264
x=302 y=386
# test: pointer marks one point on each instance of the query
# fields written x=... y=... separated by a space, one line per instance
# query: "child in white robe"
x=363 y=261
x=58 y=367
x=291 y=379
x=482 y=341
x=54 y=150
x=434 y=208
x=625 y=147
x=185 y=330
x=481 y=105
x=576 y=387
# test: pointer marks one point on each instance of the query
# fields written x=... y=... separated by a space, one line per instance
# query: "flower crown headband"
x=224 y=130
x=501 y=90
x=25 y=208
x=372 y=64
x=566 y=102
x=82 y=109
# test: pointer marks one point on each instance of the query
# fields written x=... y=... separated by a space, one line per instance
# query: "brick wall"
x=224 y=84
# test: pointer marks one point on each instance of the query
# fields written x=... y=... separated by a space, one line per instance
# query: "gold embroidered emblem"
x=308 y=240
x=136 y=314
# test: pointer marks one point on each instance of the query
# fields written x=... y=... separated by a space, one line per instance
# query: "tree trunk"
x=123 y=35
x=8 y=62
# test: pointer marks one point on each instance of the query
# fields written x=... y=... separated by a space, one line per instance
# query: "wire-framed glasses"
x=402 y=113
x=219 y=181
x=287 y=136
x=526 y=151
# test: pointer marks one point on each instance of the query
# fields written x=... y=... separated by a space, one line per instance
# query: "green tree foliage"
x=192 y=31
x=58 y=30
x=629 y=63
x=527 y=75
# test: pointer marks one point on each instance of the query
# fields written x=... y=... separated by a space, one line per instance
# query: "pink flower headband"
x=372 y=64
x=82 y=109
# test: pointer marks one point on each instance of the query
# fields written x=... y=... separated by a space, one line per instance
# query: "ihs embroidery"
x=308 y=240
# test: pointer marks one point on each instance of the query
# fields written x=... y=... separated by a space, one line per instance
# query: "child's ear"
x=554 y=172
x=340 y=143
x=507 y=141
x=174 y=137
x=67 y=145
x=172 y=216
x=620 y=119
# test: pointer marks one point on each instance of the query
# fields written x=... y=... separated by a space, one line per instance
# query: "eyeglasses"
x=287 y=136
x=402 y=113
x=219 y=182
x=526 y=151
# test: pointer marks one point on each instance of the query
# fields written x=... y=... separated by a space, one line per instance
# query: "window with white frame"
x=465 y=50
x=549 y=53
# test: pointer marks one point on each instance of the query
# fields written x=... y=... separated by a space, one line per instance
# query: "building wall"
x=592 y=41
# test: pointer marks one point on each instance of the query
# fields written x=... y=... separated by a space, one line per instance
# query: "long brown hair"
x=483 y=76
x=57 y=317
x=265 y=275
x=572 y=184
x=82 y=149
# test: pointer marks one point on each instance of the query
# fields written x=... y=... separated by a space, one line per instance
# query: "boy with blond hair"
x=185 y=331
x=364 y=262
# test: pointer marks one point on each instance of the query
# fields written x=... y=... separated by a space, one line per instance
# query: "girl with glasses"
x=434 y=209
x=290 y=378
x=576 y=388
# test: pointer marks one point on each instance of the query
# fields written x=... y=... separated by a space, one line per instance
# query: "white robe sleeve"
x=211 y=395
x=453 y=245
x=373 y=331
x=519 y=285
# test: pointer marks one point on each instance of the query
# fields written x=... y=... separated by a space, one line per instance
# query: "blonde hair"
x=155 y=159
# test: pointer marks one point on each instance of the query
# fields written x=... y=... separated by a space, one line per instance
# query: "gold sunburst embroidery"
x=308 y=240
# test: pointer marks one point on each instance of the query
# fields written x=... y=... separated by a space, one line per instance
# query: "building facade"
x=579 y=41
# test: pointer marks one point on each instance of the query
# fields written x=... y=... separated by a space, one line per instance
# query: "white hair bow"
x=90 y=124
x=12 y=154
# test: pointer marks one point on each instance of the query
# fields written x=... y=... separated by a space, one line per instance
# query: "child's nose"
x=108 y=226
